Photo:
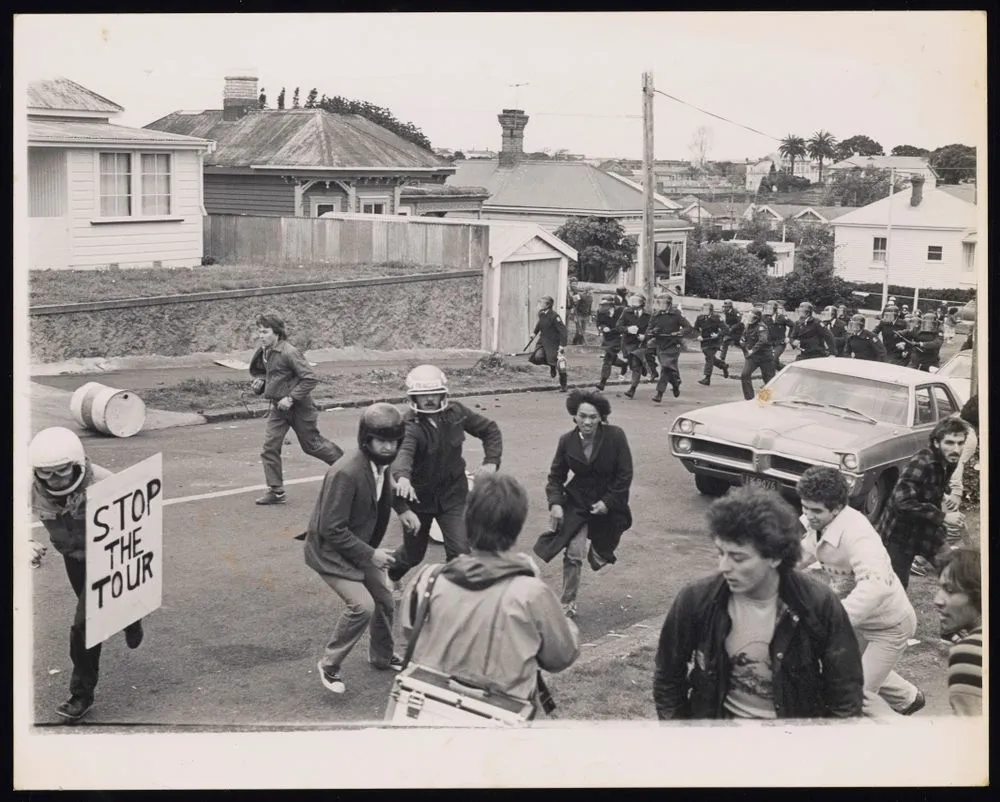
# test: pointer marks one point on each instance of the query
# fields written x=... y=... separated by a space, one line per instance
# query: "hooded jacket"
x=65 y=517
x=492 y=623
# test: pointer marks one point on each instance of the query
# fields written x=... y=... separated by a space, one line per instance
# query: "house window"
x=116 y=184
x=374 y=205
x=879 y=247
x=155 y=183
x=935 y=253
x=968 y=256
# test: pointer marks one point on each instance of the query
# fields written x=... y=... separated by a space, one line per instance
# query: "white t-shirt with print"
x=751 y=687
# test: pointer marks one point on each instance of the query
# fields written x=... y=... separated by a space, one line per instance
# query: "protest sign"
x=124 y=549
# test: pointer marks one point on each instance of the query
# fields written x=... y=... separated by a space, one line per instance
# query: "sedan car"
x=864 y=418
x=958 y=372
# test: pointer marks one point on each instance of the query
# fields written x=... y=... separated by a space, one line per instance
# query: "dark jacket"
x=865 y=345
x=431 y=453
x=551 y=333
x=838 y=331
x=913 y=517
x=666 y=329
x=632 y=317
x=348 y=523
x=814 y=338
x=889 y=332
x=927 y=350
x=65 y=517
x=778 y=328
x=731 y=318
x=579 y=303
x=607 y=321
x=285 y=372
x=606 y=476
x=756 y=340
x=711 y=330
x=815 y=659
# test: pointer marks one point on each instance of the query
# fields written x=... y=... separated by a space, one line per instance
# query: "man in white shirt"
x=853 y=559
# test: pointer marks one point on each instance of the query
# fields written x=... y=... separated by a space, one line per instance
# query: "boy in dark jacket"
x=283 y=376
x=758 y=639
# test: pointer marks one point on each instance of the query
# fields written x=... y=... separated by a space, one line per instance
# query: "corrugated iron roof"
x=551 y=185
x=301 y=138
x=442 y=190
x=937 y=209
x=833 y=212
x=966 y=192
x=86 y=132
x=62 y=94
x=507 y=237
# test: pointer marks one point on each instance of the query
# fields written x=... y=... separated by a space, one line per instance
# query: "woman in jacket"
x=757 y=639
x=854 y=560
x=492 y=622
x=593 y=505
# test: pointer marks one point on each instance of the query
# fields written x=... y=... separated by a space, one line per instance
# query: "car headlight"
x=849 y=461
x=683 y=445
x=686 y=426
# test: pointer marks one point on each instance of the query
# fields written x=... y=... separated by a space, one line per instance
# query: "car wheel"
x=873 y=503
x=709 y=485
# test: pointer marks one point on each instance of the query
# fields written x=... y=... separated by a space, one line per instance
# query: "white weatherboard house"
x=933 y=239
x=101 y=194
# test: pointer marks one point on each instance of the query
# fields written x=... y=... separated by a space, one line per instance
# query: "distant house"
x=780 y=214
x=905 y=167
x=101 y=194
x=804 y=168
x=932 y=241
x=718 y=214
x=304 y=162
x=549 y=192
x=784 y=253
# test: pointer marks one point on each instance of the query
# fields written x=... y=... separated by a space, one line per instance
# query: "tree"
x=792 y=147
x=281 y=98
x=909 y=150
x=858 y=145
x=821 y=145
x=262 y=99
x=954 y=163
x=859 y=186
x=722 y=270
x=757 y=228
x=603 y=248
x=457 y=155
x=295 y=98
x=311 y=101
x=378 y=115
x=701 y=143
x=763 y=251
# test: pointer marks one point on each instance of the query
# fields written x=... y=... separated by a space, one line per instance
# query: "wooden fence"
x=346 y=239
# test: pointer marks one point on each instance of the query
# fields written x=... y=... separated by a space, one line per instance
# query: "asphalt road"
x=244 y=621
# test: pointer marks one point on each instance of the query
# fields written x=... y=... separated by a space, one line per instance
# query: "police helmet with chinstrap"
x=856 y=323
x=427 y=380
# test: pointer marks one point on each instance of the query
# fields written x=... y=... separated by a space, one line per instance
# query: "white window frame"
x=315 y=201
x=968 y=256
x=884 y=250
x=385 y=200
x=940 y=250
x=143 y=194
x=135 y=214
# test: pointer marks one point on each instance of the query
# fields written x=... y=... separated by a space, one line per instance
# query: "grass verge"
x=199 y=395
x=79 y=286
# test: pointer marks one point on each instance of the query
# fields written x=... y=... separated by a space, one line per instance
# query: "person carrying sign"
x=62 y=472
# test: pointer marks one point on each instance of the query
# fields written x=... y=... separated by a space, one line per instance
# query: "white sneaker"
x=569 y=610
x=331 y=679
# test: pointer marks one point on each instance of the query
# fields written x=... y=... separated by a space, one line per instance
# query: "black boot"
x=725 y=371
x=658 y=397
x=630 y=392
x=552 y=371
x=676 y=388
x=601 y=384
x=706 y=381
x=563 y=378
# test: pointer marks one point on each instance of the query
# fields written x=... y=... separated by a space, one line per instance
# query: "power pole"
x=888 y=238
x=648 y=266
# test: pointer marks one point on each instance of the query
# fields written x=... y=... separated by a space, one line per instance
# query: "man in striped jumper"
x=959 y=603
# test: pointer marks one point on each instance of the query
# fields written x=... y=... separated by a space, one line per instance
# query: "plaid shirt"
x=913 y=515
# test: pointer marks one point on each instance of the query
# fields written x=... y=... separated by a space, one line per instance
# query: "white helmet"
x=56 y=447
x=427 y=380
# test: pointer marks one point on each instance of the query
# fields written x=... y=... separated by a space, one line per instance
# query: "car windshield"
x=958 y=369
x=881 y=401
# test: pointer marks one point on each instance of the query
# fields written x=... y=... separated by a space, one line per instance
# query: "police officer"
x=734 y=328
x=711 y=332
x=757 y=347
x=778 y=326
x=551 y=346
x=666 y=328
x=606 y=321
x=632 y=325
x=861 y=343
x=889 y=327
x=906 y=340
x=837 y=328
x=812 y=339
x=927 y=343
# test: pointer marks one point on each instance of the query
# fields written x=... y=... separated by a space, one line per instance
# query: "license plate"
x=751 y=480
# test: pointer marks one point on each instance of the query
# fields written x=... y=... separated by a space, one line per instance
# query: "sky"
x=915 y=78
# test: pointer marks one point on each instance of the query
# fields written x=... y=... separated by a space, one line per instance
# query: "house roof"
x=303 y=139
x=937 y=210
x=556 y=185
x=62 y=94
x=506 y=238
x=84 y=133
x=883 y=163
x=724 y=208
x=830 y=212
x=441 y=191
x=966 y=192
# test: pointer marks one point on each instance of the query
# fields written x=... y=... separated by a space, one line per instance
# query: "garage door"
x=521 y=285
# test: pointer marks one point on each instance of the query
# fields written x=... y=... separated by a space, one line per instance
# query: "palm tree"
x=793 y=147
x=822 y=145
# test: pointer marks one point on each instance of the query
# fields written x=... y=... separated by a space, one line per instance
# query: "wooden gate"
x=521 y=285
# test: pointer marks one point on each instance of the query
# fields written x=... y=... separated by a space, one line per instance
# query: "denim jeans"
x=573 y=557
x=303 y=419
x=86 y=662
x=369 y=605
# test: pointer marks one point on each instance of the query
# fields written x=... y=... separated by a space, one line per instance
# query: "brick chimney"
x=240 y=95
x=512 y=121
x=917 y=188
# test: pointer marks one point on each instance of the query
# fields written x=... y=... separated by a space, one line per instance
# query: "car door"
x=924 y=417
